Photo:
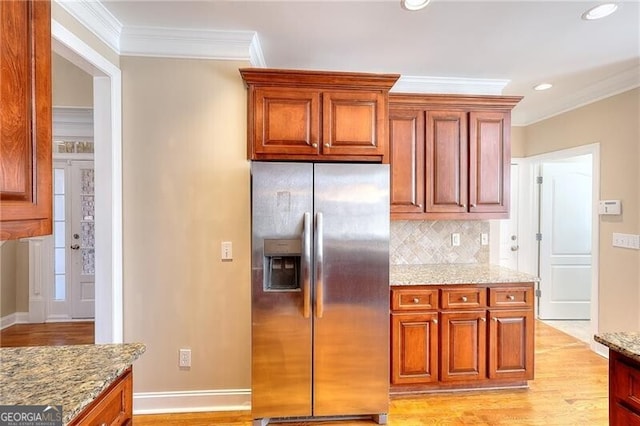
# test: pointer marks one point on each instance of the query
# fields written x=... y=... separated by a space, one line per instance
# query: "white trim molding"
x=191 y=401
x=186 y=43
x=14 y=318
x=449 y=85
x=97 y=19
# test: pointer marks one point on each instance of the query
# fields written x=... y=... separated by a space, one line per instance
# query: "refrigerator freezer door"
x=351 y=338
x=281 y=335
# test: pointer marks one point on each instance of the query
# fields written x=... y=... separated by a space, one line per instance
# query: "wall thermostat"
x=611 y=207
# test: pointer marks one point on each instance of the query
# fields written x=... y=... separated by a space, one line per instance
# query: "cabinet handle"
x=511 y=297
x=416 y=300
x=435 y=321
x=315 y=145
x=327 y=145
x=464 y=298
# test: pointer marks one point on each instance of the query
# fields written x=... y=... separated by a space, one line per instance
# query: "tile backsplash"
x=429 y=242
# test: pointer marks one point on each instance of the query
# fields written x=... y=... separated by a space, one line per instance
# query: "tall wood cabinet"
x=25 y=119
x=319 y=116
x=461 y=336
x=450 y=156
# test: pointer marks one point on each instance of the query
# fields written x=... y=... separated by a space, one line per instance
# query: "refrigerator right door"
x=351 y=300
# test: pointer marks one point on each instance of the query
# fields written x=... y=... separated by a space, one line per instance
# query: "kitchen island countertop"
x=442 y=274
x=625 y=342
x=71 y=376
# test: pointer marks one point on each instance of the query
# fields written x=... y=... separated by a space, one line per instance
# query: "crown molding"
x=449 y=85
x=200 y=44
x=605 y=88
x=97 y=19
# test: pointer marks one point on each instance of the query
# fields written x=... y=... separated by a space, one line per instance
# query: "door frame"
x=530 y=217
x=107 y=108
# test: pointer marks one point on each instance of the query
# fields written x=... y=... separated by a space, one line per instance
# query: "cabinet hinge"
x=539 y=180
x=538 y=237
x=538 y=293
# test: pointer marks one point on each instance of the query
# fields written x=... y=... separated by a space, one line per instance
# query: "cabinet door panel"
x=446 y=164
x=406 y=130
x=489 y=162
x=25 y=119
x=286 y=121
x=353 y=123
x=511 y=335
x=463 y=343
x=414 y=348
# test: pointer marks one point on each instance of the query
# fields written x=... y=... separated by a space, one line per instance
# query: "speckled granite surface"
x=71 y=376
x=455 y=274
x=626 y=343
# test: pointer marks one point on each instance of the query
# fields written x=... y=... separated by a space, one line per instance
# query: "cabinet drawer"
x=510 y=297
x=112 y=407
x=461 y=298
x=413 y=299
x=627 y=389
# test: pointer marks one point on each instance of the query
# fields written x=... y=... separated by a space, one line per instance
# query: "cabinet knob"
x=327 y=145
x=464 y=298
x=463 y=205
x=315 y=145
x=483 y=319
x=511 y=297
x=435 y=321
x=495 y=319
x=416 y=300
x=472 y=205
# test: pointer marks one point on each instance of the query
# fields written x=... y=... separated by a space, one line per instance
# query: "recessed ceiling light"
x=543 y=86
x=599 y=11
x=414 y=4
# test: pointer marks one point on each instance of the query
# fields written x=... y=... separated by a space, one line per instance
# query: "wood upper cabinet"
x=407 y=160
x=25 y=119
x=467 y=152
x=312 y=115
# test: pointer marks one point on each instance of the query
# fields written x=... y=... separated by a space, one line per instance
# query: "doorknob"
x=75 y=246
x=513 y=238
x=515 y=248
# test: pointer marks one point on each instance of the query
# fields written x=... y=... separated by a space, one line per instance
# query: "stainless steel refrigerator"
x=320 y=290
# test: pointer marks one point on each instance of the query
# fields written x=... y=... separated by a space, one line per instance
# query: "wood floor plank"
x=570 y=388
x=48 y=334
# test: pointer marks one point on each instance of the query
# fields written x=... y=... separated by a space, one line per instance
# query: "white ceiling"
x=523 y=42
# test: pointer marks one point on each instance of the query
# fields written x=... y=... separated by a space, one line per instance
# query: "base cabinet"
x=461 y=337
x=624 y=390
x=113 y=407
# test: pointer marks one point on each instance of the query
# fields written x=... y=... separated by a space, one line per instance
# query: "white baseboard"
x=191 y=401
x=14 y=318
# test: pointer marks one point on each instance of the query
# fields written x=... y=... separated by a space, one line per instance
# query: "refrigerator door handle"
x=306 y=262
x=319 y=267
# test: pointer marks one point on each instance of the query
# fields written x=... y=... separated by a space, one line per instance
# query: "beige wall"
x=8 y=278
x=186 y=189
x=72 y=87
x=615 y=124
x=518 y=142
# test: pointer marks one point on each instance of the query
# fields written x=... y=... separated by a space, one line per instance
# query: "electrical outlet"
x=484 y=239
x=455 y=239
x=227 y=250
x=184 y=358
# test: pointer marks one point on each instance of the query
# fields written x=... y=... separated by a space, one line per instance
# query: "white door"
x=509 y=246
x=565 y=246
x=82 y=239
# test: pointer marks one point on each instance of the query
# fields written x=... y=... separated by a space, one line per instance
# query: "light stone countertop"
x=455 y=273
x=627 y=343
x=71 y=376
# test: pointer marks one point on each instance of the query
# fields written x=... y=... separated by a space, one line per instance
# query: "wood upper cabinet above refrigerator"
x=318 y=116
x=25 y=119
x=450 y=156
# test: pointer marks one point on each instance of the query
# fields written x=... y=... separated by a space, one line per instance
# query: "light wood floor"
x=570 y=388
x=48 y=334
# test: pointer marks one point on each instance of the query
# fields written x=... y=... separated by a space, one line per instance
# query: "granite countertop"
x=627 y=343
x=455 y=274
x=71 y=376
